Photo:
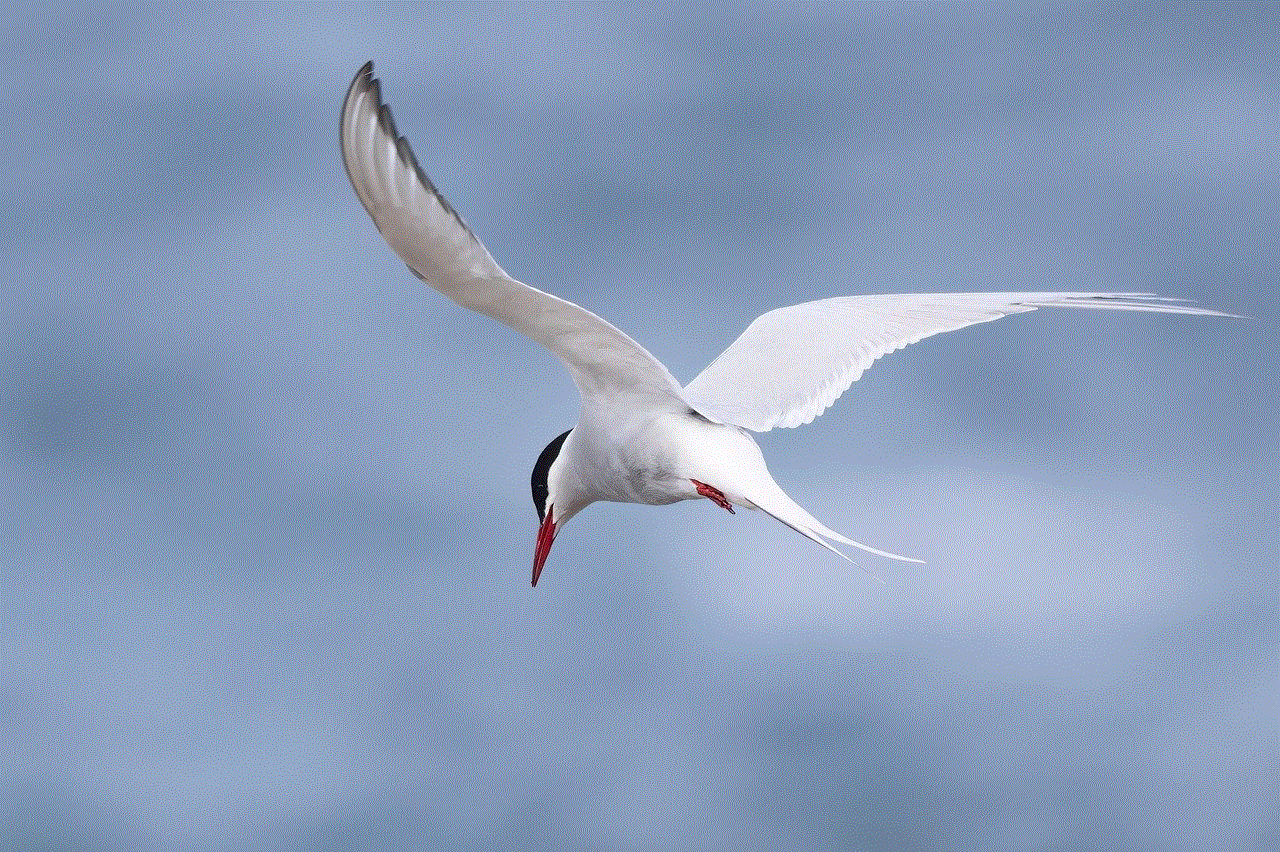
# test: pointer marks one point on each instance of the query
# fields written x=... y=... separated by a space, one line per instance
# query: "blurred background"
x=267 y=526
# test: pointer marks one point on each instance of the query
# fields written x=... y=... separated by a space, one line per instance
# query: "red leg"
x=715 y=495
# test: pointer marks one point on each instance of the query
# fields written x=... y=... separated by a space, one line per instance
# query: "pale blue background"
x=267 y=527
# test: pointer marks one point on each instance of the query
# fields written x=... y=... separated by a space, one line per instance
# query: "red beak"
x=546 y=535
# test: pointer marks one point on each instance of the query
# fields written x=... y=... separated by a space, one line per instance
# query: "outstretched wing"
x=791 y=364
x=439 y=248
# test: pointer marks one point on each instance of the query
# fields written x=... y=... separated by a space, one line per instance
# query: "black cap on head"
x=540 y=470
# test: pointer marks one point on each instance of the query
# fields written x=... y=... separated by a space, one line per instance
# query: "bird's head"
x=545 y=495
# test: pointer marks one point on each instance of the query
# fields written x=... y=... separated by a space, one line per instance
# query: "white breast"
x=624 y=456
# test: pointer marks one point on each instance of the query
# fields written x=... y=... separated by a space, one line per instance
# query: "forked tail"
x=778 y=505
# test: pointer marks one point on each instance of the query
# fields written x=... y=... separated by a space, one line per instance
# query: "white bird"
x=641 y=437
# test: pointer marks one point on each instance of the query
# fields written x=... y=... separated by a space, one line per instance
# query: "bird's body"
x=641 y=437
x=628 y=455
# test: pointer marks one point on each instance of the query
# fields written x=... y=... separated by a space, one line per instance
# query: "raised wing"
x=439 y=248
x=792 y=363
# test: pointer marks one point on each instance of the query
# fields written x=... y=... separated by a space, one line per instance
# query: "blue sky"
x=265 y=578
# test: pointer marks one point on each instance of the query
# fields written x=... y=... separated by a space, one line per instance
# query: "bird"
x=641 y=436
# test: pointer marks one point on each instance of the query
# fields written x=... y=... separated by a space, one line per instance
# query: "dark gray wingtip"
x=365 y=82
x=359 y=83
x=405 y=153
x=384 y=116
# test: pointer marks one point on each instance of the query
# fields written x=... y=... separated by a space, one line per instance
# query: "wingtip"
x=363 y=79
x=385 y=118
x=1142 y=302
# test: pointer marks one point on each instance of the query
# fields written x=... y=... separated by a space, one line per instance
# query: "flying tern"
x=641 y=437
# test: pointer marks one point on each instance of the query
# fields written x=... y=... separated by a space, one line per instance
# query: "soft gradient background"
x=267 y=527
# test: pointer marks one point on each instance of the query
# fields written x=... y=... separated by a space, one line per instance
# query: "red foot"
x=715 y=495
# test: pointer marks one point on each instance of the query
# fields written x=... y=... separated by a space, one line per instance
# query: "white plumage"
x=828 y=343
x=641 y=437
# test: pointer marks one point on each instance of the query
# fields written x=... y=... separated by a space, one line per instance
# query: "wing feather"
x=792 y=363
x=428 y=235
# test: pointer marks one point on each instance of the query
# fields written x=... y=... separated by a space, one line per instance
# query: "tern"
x=641 y=437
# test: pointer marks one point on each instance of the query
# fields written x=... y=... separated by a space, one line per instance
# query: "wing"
x=792 y=363
x=439 y=248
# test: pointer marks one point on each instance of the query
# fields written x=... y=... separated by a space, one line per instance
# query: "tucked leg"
x=715 y=495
